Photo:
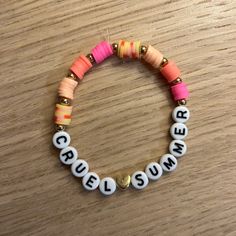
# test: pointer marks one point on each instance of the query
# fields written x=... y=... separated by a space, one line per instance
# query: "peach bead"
x=170 y=71
x=67 y=87
x=153 y=57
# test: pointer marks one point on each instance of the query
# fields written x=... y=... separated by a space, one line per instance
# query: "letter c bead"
x=61 y=139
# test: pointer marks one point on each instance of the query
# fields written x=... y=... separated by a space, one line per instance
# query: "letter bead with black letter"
x=168 y=162
x=79 y=168
x=61 y=139
x=68 y=155
x=181 y=114
x=178 y=148
x=179 y=131
x=139 y=180
x=107 y=186
x=153 y=171
x=91 y=181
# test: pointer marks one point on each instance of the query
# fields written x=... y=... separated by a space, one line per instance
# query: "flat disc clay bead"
x=170 y=71
x=139 y=180
x=81 y=66
x=168 y=162
x=61 y=139
x=179 y=91
x=181 y=114
x=68 y=155
x=107 y=186
x=79 y=168
x=153 y=57
x=178 y=148
x=90 y=181
x=153 y=171
x=179 y=131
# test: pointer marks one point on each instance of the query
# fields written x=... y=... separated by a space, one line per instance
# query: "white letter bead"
x=61 y=139
x=79 y=168
x=139 y=180
x=168 y=162
x=153 y=171
x=68 y=155
x=180 y=114
x=178 y=148
x=107 y=186
x=179 y=131
x=91 y=181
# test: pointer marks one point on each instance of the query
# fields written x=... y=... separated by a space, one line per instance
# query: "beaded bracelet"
x=154 y=170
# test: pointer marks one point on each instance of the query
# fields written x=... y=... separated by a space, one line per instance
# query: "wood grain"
x=121 y=118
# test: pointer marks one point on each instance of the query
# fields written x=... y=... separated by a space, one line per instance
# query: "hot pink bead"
x=170 y=71
x=180 y=91
x=102 y=51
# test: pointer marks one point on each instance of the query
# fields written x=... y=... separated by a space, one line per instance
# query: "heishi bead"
x=90 y=181
x=61 y=139
x=107 y=186
x=102 y=51
x=179 y=131
x=62 y=114
x=181 y=114
x=178 y=148
x=179 y=91
x=153 y=171
x=139 y=180
x=81 y=66
x=170 y=71
x=67 y=87
x=128 y=49
x=79 y=168
x=168 y=162
x=68 y=155
x=153 y=57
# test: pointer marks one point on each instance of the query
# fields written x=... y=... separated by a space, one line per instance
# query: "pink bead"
x=102 y=51
x=170 y=71
x=180 y=91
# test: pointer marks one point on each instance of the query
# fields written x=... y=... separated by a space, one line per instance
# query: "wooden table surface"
x=121 y=118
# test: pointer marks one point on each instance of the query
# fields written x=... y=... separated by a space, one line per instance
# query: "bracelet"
x=179 y=131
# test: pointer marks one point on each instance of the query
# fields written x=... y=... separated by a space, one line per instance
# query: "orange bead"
x=81 y=66
x=170 y=71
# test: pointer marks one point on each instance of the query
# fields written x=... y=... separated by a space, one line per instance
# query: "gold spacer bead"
x=177 y=81
x=164 y=62
x=123 y=182
x=64 y=101
x=91 y=58
x=60 y=127
x=71 y=75
x=182 y=102
x=115 y=47
x=143 y=50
